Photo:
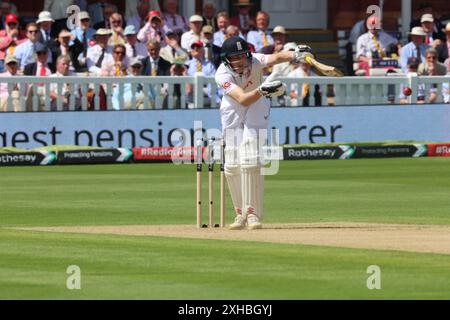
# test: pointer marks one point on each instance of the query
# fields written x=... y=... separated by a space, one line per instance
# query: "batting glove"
x=272 y=89
x=301 y=52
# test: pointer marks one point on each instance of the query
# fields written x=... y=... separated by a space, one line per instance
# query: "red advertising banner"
x=439 y=150
x=164 y=154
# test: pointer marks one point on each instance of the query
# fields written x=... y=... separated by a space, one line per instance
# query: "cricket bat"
x=323 y=69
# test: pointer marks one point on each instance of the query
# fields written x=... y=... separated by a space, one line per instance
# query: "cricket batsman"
x=245 y=111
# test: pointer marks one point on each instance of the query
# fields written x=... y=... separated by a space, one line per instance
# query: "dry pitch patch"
x=413 y=238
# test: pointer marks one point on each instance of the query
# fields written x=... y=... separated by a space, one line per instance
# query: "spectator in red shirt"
x=10 y=38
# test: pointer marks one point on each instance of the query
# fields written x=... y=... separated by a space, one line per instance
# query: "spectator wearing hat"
x=194 y=34
x=66 y=47
x=58 y=11
x=212 y=52
x=83 y=39
x=173 y=51
x=10 y=38
x=243 y=20
x=279 y=38
x=199 y=65
x=261 y=37
x=63 y=69
x=444 y=48
x=209 y=15
x=434 y=37
x=26 y=51
x=39 y=68
x=100 y=52
x=373 y=45
x=12 y=69
x=134 y=71
x=171 y=17
x=153 y=29
x=416 y=48
x=426 y=8
x=178 y=69
x=45 y=23
x=134 y=47
x=154 y=65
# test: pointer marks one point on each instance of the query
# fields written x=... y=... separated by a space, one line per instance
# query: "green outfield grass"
x=33 y=265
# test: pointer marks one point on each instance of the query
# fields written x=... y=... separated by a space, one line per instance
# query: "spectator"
x=138 y=16
x=58 y=10
x=304 y=71
x=172 y=51
x=209 y=15
x=261 y=37
x=283 y=69
x=172 y=19
x=243 y=20
x=66 y=47
x=117 y=64
x=128 y=94
x=373 y=45
x=10 y=38
x=45 y=23
x=6 y=8
x=136 y=11
x=199 y=65
x=444 y=48
x=413 y=66
x=107 y=10
x=431 y=67
x=26 y=51
x=232 y=31
x=154 y=64
x=212 y=52
x=434 y=37
x=39 y=68
x=223 y=21
x=117 y=24
x=83 y=36
x=178 y=69
x=416 y=48
x=11 y=71
x=134 y=47
x=426 y=8
x=193 y=34
x=153 y=29
x=68 y=89
x=97 y=54
x=279 y=39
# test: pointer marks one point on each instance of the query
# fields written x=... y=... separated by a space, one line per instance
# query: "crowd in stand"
x=147 y=40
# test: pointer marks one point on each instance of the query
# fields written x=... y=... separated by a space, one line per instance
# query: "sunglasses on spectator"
x=119 y=52
x=12 y=24
x=85 y=20
x=41 y=53
x=136 y=67
x=32 y=31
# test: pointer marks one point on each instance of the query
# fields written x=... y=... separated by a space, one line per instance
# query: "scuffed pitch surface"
x=413 y=238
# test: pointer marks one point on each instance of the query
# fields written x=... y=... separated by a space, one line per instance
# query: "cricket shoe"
x=239 y=223
x=253 y=222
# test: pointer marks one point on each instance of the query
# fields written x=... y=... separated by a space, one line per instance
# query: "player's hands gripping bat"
x=304 y=54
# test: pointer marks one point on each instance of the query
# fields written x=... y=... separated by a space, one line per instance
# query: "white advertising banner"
x=154 y=128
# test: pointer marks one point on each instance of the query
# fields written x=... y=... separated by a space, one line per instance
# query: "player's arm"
x=245 y=99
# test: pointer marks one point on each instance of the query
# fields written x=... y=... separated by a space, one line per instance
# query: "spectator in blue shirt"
x=26 y=52
x=416 y=48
